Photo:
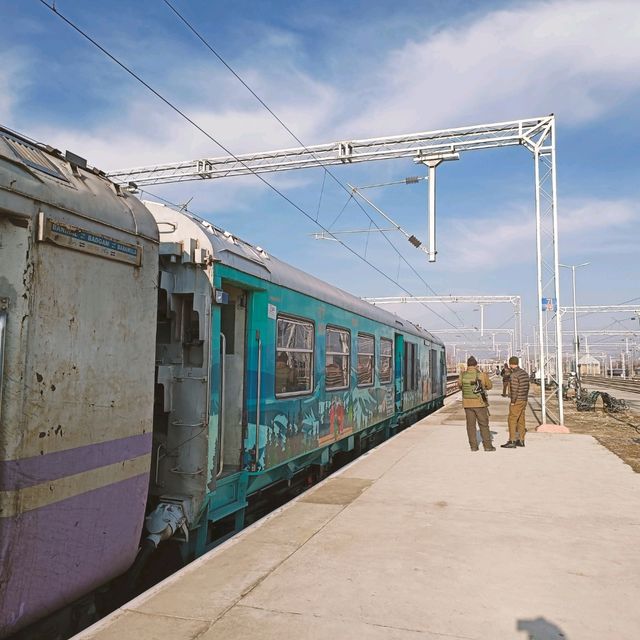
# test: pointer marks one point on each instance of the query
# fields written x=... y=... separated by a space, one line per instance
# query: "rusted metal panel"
x=77 y=390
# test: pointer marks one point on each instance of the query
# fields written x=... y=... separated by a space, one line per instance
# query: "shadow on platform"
x=541 y=629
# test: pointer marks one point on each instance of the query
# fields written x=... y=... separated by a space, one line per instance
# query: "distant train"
x=158 y=375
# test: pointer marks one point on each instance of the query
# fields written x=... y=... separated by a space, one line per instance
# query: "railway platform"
x=422 y=538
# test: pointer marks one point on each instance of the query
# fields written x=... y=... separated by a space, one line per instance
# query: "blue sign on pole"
x=549 y=304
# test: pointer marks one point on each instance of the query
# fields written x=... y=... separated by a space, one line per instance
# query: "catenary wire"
x=297 y=139
x=53 y=9
x=324 y=179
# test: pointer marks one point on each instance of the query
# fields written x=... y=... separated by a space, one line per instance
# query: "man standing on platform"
x=474 y=384
x=519 y=391
x=506 y=374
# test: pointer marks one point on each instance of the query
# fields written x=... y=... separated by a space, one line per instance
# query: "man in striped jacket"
x=519 y=392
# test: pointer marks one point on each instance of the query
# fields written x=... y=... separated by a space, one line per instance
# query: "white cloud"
x=13 y=80
x=494 y=253
x=575 y=58
x=578 y=58
x=585 y=227
x=145 y=132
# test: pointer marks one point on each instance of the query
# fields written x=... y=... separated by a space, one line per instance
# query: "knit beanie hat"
x=471 y=361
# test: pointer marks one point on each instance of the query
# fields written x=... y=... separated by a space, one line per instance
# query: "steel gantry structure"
x=428 y=148
x=481 y=301
x=454 y=338
x=603 y=308
x=598 y=308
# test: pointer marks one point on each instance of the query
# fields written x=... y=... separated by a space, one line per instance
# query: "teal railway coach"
x=298 y=371
x=163 y=382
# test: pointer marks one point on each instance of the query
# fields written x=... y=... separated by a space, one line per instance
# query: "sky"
x=336 y=70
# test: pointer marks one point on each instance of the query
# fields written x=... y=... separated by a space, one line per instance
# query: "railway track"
x=452 y=384
x=632 y=386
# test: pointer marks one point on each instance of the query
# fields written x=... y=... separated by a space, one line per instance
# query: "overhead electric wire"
x=193 y=123
x=226 y=150
x=297 y=139
x=511 y=317
x=349 y=199
x=324 y=179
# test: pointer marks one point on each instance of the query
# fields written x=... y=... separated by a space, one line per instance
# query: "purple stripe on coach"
x=27 y=472
x=53 y=555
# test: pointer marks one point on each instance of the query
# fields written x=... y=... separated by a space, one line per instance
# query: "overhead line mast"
x=429 y=148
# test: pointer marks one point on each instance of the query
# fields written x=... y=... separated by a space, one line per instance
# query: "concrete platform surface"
x=422 y=538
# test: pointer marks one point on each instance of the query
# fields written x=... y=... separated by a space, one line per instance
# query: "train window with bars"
x=366 y=359
x=337 y=366
x=410 y=366
x=386 y=360
x=294 y=356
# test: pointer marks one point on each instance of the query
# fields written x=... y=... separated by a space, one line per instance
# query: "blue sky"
x=341 y=70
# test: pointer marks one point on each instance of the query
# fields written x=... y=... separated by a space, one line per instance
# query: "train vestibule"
x=185 y=422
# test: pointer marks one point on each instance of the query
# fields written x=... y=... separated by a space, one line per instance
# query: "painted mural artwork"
x=301 y=425
x=311 y=423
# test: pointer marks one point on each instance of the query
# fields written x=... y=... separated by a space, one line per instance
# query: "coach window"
x=386 y=360
x=294 y=356
x=366 y=355
x=410 y=366
x=337 y=365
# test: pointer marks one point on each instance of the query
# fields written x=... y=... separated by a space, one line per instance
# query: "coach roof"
x=30 y=171
x=234 y=252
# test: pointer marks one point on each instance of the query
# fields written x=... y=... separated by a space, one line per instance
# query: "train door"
x=398 y=369
x=232 y=347
x=436 y=373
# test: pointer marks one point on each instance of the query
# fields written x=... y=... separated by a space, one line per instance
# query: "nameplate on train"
x=97 y=244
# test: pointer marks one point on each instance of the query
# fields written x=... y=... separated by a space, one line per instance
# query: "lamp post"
x=576 y=346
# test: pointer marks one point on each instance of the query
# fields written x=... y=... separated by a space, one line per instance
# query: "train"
x=158 y=377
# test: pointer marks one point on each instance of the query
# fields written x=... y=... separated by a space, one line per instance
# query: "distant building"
x=589 y=366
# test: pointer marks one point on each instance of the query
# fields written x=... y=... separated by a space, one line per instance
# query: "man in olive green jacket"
x=519 y=392
x=475 y=408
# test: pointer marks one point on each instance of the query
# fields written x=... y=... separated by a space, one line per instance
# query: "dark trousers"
x=505 y=386
x=481 y=416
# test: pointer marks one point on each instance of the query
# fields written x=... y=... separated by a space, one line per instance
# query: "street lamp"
x=576 y=347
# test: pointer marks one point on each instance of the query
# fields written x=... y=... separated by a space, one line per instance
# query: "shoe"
x=504 y=395
x=510 y=444
x=519 y=443
x=489 y=448
x=474 y=449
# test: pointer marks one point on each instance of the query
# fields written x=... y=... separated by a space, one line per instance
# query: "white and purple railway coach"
x=78 y=287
